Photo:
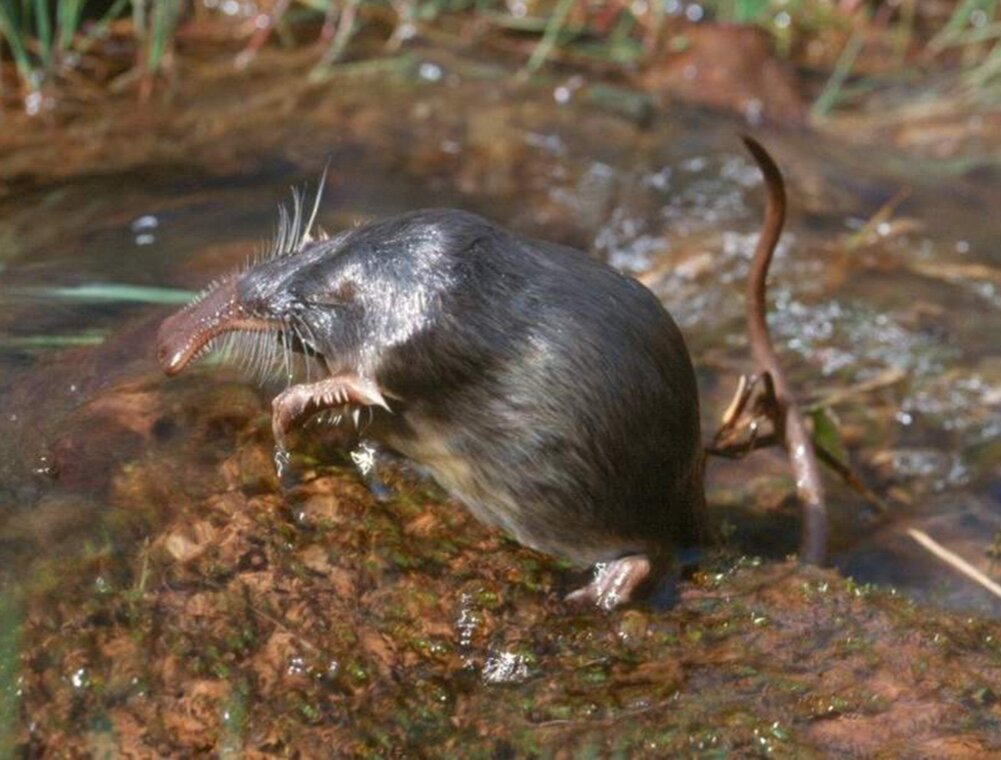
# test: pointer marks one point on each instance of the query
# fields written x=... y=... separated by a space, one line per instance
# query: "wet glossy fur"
x=552 y=395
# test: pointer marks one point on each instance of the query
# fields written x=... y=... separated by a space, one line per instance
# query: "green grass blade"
x=11 y=31
x=43 y=26
x=165 y=13
x=548 y=41
x=68 y=14
x=988 y=33
x=109 y=293
x=139 y=18
x=45 y=342
x=832 y=90
x=957 y=22
x=987 y=74
x=346 y=27
x=97 y=30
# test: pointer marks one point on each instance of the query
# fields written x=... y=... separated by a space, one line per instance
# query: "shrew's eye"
x=343 y=295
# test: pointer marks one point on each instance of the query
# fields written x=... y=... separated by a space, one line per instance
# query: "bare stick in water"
x=785 y=415
x=954 y=560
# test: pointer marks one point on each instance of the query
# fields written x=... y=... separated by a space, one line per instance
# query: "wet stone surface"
x=329 y=619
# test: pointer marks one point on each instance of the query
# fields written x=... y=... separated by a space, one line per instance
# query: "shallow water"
x=911 y=306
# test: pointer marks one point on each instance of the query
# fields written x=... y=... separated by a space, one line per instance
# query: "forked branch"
x=775 y=402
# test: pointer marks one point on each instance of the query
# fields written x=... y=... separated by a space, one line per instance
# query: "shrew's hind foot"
x=614 y=582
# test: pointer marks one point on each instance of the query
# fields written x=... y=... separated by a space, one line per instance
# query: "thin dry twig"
x=954 y=561
x=942 y=270
x=884 y=214
x=884 y=379
x=265 y=24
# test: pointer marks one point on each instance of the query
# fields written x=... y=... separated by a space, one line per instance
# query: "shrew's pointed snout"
x=183 y=335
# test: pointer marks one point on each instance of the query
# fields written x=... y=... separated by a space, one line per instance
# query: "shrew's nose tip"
x=171 y=362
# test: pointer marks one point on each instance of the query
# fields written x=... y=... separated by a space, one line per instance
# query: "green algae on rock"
x=406 y=627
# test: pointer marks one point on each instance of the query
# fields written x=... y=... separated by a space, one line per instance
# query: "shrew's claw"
x=293 y=404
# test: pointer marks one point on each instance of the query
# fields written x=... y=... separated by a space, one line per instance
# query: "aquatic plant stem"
x=958 y=20
x=548 y=41
x=266 y=23
x=784 y=412
x=44 y=28
x=68 y=16
x=832 y=90
x=97 y=30
x=10 y=32
x=162 y=20
x=345 y=31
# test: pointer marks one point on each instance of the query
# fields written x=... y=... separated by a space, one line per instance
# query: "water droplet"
x=296 y=666
x=145 y=222
x=79 y=678
x=466 y=622
x=33 y=103
x=430 y=72
x=282 y=459
x=364 y=458
x=505 y=667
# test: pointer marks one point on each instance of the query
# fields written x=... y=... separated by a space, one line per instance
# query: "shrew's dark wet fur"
x=549 y=393
x=566 y=385
x=553 y=395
